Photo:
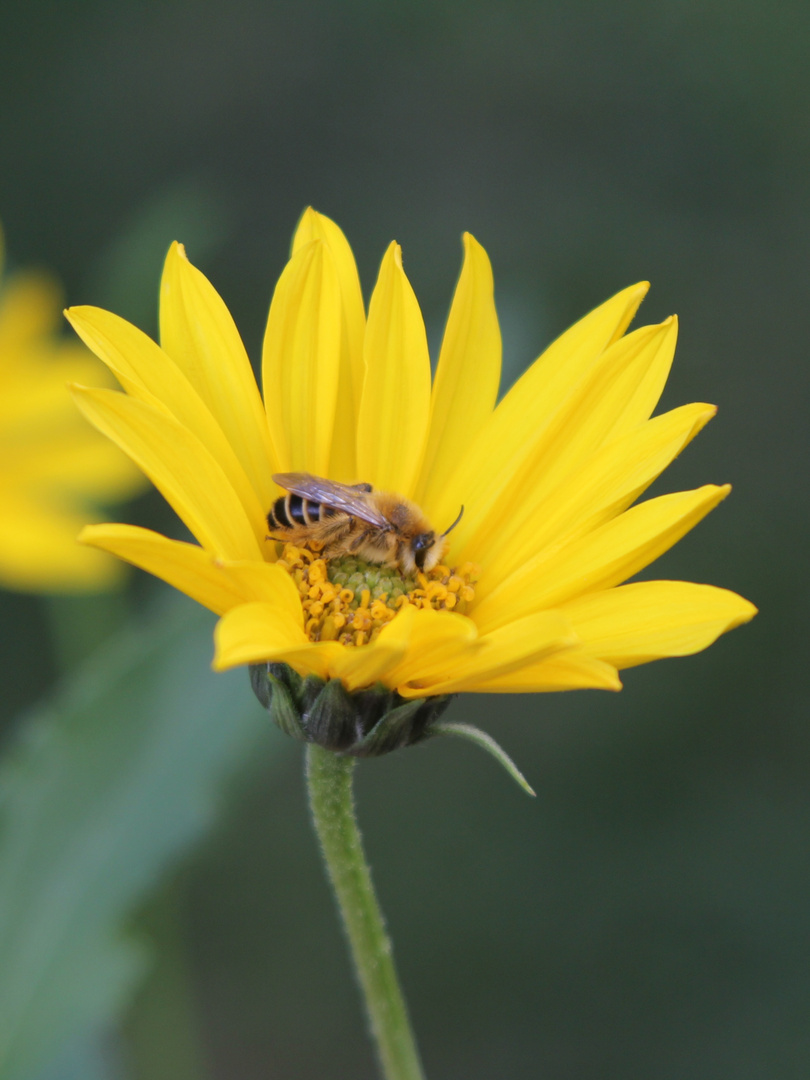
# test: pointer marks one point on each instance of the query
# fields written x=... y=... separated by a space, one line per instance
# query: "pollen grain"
x=350 y=600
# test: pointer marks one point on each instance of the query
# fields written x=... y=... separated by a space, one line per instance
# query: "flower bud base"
x=366 y=723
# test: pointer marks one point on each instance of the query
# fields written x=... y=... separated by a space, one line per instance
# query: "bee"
x=377 y=526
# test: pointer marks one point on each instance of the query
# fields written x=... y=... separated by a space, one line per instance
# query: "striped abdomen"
x=290 y=511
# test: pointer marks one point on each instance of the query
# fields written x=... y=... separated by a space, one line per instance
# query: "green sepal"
x=307 y=691
x=331 y=720
x=403 y=725
x=366 y=723
x=276 y=696
x=391 y=732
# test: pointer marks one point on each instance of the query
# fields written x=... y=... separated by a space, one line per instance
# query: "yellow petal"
x=468 y=373
x=626 y=384
x=180 y=468
x=197 y=331
x=437 y=641
x=414 y=637
x=605 y=485
x=511 y=433
x=515 y=646
x=368 y=664
x=301 y=359
x=315 y=226
x=258 y=633
x=139 y=364
x=147 y=373
x=212 y=582
x=600 y=560
x=652 y=619
x=393 y=418
x=571 y=670
x=615 y=397
x=595 y=411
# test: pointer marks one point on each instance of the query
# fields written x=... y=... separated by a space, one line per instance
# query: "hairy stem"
x=331 y=799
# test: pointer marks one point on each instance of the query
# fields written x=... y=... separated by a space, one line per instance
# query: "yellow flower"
x=548 y=478
x=53 y=467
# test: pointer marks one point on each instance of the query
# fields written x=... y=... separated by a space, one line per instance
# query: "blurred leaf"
x=162 y=1036
x=81 y=623
x=100 y=793
x=87 y=1059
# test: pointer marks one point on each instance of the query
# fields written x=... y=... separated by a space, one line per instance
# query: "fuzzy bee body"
x=377 y=526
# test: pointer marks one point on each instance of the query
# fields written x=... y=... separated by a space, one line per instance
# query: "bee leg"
x=334 y=536
x=358 y=542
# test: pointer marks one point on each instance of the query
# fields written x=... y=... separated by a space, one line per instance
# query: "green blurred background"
x=649 y=914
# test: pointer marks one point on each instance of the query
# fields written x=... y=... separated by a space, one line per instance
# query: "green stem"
x=332 y=803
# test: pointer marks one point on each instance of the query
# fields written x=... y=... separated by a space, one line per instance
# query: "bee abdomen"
x=291 y=510
x=277 y=517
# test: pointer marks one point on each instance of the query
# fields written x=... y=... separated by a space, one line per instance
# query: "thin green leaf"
x=486 y=742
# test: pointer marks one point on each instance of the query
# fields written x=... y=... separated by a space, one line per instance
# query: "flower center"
x=350 y=600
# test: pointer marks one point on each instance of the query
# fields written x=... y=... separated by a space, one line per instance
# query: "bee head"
x=421 y=547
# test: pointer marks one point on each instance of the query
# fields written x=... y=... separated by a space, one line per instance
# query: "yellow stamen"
x=350 y=600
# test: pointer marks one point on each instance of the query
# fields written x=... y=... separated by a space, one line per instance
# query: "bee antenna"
x=458 y=519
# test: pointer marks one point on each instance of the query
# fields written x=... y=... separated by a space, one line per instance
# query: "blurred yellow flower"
x=548 y=478
x=55 y=468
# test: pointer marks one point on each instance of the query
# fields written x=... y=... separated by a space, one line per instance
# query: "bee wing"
x=339 y=496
